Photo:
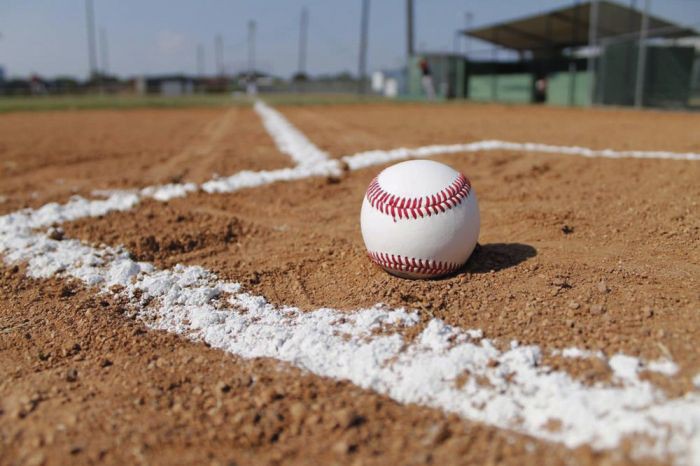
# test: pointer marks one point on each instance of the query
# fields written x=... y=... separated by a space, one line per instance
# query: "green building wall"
x=560 y=86
x=506 y=88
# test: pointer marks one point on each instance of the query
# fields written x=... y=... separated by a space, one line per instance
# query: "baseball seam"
x=415 y=207
x=412 y=264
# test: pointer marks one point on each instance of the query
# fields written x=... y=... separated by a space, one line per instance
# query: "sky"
x=48 y=37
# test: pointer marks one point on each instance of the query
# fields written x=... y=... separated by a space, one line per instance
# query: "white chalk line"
x=289 y=139
x=522 y=395
x=374 y=157
x=361 y=160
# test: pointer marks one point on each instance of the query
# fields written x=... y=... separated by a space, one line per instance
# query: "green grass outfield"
x=87 y=102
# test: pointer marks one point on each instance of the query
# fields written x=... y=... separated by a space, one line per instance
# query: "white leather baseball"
x=420 y=219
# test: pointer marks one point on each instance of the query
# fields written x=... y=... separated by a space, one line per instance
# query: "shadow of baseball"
x=497 y=256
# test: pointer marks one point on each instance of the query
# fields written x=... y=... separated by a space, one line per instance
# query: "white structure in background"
x=166 y=85
x=140 y=85
x=377 y=82
x=386 y=83
x=176 y=87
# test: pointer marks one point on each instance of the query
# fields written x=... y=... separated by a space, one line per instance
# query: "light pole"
x=592 y=45
x=362 y=60
x=92 y=52
x=642 y=56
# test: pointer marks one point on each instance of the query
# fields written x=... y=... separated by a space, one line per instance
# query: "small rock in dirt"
x=56 y=233
x=566 y=229
x=343 y=448
x=254 y=278
x=72 y=375
x=597 y=309
x=437 y=434
x=105 y=363
x=67 y=291
x=648 y=312
x=35 y=459
x=574 y=305
x=150 y=243
x=347 y=418
x=603 y=287
x=561 y=282
x=297 y=411
x=223 y=387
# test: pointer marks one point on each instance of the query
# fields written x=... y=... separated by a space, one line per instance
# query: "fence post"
x=641 y=57
x=592 y=44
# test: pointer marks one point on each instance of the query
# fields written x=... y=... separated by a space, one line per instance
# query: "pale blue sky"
x=160 y=36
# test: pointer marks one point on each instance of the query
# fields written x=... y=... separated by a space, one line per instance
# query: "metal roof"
x=568 y=27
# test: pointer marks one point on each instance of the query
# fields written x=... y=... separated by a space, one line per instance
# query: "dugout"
x=584 y=53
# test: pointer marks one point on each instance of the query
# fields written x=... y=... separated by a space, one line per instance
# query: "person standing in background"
x=427 y=79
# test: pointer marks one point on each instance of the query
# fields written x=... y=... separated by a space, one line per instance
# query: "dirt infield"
x=50 y=156
x=598 y=254
x=349 y=129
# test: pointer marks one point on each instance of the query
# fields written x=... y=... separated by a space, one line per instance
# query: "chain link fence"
x=660 y=73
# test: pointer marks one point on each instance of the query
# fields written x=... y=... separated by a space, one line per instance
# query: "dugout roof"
x=568 y=27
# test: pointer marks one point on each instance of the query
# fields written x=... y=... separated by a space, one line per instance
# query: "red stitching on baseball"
x=411 y=264
x=407 y=207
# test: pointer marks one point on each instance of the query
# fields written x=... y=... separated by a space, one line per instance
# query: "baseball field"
x=190 y=286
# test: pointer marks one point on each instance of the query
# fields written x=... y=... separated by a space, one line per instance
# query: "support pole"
x=642 y=57
x=92 y=51
x=303 y=33
x=409 y=29
x=200 y=60
x=104 y=51
x=572 y=58
x=494 y=64
x=592 y=45
x=251 y=87
x=468 y=17
x=362 y=60
x=219 y=55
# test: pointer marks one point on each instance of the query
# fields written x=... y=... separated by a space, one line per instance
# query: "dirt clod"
x=72 y=375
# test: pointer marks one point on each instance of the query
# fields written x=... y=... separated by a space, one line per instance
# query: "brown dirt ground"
x=352 y=128
x=83 y=384
x=50 y=156
x=624 y=278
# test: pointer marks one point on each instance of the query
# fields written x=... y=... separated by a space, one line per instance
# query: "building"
x=586 y=53
x=165 y=85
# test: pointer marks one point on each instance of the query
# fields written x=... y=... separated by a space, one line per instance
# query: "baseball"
x=420 y=219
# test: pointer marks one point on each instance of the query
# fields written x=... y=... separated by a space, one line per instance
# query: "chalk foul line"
x=289 y=140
